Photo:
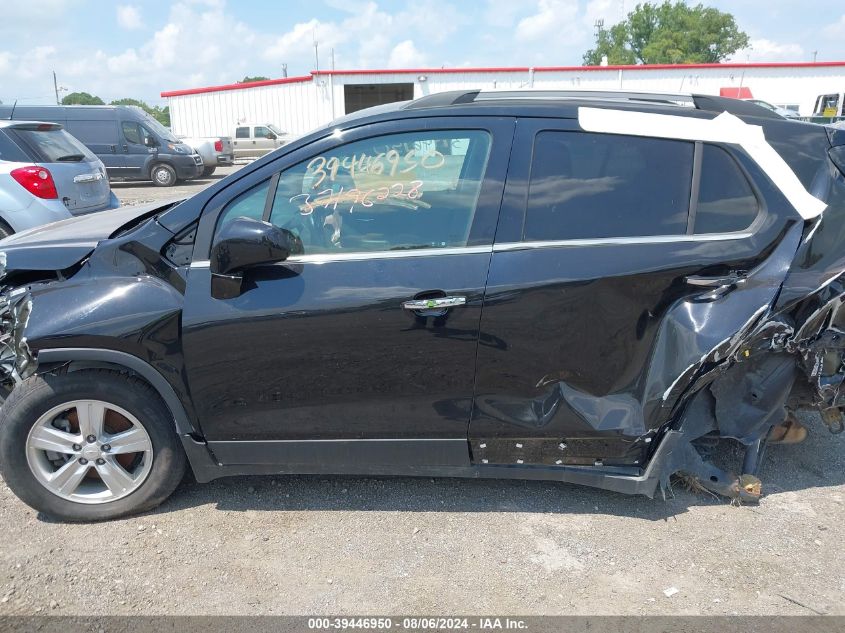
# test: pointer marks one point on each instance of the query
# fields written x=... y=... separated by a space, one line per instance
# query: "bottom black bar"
x=417 y=623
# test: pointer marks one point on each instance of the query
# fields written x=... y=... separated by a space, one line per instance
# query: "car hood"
x=62 y=244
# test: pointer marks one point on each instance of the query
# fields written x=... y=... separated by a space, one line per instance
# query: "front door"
x=136 y=148
x=372 y=332
x=263 y=140
x=620 y=263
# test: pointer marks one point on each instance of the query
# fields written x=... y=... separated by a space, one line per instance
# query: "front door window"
x=415 y=190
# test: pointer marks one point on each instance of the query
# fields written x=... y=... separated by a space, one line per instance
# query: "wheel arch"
x=154 y=161
x=114 y=359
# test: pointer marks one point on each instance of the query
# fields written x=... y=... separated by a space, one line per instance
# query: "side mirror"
x=271 y=136
x=149 y=141
x=242 y=244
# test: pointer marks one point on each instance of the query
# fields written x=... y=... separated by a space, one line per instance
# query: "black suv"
x=582 y=287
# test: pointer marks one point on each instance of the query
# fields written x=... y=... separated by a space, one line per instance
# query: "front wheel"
x=89 y=445
x=5 y=230
x=208 y=171
x=163 y=175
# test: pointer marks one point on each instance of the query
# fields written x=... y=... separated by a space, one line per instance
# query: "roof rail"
x=701 y=102
x=603 y=95
x=450 y=97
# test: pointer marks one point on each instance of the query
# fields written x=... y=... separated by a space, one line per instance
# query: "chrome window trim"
x=606 y=241
x=320 y=258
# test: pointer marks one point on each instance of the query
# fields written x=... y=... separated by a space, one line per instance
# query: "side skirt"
x=408 y=458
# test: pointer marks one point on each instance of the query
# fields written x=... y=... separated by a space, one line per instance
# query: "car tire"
x=208 y=171
x=163 y=175
x=5 y=230
x=27 y=421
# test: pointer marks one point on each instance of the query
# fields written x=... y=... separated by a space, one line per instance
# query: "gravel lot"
x=318 y=545
x=142 y=192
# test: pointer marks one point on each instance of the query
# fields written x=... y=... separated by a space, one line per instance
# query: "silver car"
x=47 y=175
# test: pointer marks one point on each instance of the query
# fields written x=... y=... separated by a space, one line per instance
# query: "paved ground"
x=308 y=545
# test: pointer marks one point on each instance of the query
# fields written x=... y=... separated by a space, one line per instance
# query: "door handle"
x=722 y=281
x=438 y=303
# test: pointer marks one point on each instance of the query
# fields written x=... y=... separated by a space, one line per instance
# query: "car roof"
x=29 y=125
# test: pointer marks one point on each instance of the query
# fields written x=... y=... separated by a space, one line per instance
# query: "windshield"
x=53 y=145
x=275 y=130
x=765 y=104
x=159 y=129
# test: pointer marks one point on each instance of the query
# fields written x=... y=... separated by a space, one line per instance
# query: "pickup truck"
x=215 y=151
x=253 y=140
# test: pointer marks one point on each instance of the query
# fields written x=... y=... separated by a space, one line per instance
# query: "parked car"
x=46 y=175
x=131 y=143
x=786 y=113
x=252 y=140
x=214 y=150
x=580 y=287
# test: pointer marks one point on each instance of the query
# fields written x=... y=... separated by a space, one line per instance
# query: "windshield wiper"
x=70 y=158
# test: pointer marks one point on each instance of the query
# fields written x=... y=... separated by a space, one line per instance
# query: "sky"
x=140 y=48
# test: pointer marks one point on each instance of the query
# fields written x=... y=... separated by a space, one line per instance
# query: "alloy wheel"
x=89 y=451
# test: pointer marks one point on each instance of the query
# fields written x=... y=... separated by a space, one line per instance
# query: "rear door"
x=242 y=143
x=610 y=281
x=103 y=138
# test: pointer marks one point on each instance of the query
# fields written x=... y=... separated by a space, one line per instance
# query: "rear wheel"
x=89 y=445
x=208 y=171
x=163 y=175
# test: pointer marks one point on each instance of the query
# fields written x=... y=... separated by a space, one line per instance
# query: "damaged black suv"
x=582 y=287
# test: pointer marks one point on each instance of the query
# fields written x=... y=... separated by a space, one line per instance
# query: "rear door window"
x=10 y=151
x=726 y=202
x=242 y=132
x=592 y=186
x=52 y=145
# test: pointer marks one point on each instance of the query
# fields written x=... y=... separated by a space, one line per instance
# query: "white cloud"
x=553 y=18
x=128 y=17
x=835 y=29
x=6 y=59
x=764 y=50
x=500 y=13
x=611 y=11
x=406 y=55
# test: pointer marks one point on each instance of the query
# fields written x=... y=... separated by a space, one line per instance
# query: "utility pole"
x=284 y=70
x=599 y=24
x=56 y=88
x=316 y=51
x=815 y=56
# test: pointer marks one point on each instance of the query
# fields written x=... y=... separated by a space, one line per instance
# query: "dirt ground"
x=319 y=545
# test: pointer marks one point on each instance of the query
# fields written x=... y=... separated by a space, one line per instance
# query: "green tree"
x=248 y=79
x=81 y=98
x=669 y=33
x=162 y=115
